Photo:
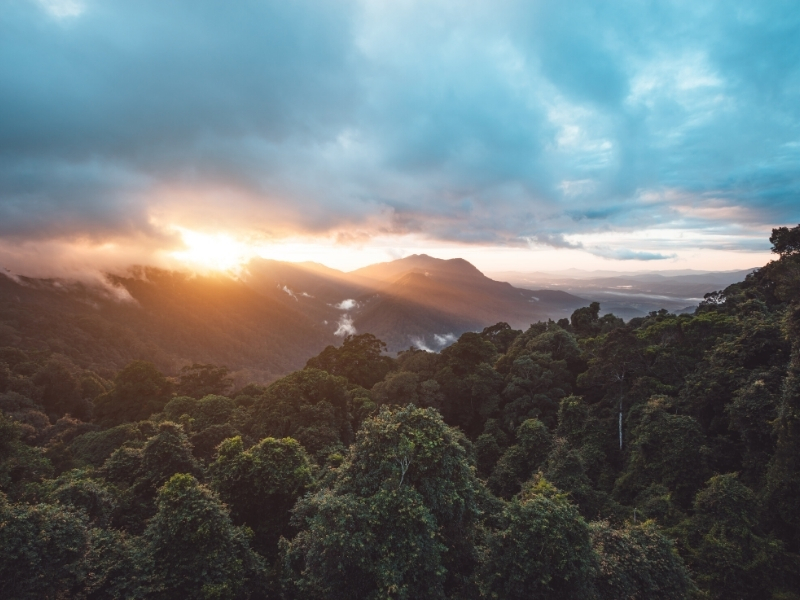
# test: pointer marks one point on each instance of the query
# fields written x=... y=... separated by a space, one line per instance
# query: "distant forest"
x=585 y=458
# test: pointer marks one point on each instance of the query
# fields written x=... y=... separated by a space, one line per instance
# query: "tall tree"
x=260 y=485
x=41 y=550
x=359 y=359
x=139 y=391
x=192 y=550
x=541 y=550
x=199 y=380
x=398 y=519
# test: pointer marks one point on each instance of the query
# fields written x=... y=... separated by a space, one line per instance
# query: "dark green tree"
x=61 y=392
x=638 y=562
x=785 y=241
x=139 y=391
x=41 y=551
x=542 y=549
x=665 y=448
x=191 y=549
x=471 y=350
x=359 y=360
x=200 y=380
x=521 y=460
x=385 y=545
x=724 y=550
x=404 y=495
x=260 y=485
x=201 y=413
x=501 y=335
x=79 y=491
x=586 y=321
x=782 y=490
x=165 y=454
x=310 y=406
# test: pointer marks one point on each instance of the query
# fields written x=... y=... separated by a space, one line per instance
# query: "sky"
x=528 y=136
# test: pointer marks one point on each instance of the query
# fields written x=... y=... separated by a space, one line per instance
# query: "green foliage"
x=468 y=399
x=404 y=495
x=165 y=454
x=471 y=350
x=638 y=562
x=94 y=447
x=487 y=453
x=41 y=551
x=785 y=241
x=413 y=447
x=398 y=389
x=111 y=569
x=199 y=380
x=139 y=391
x=534 y=386
x=5 y=376
x=60 y=391
x=350 y=547
x=310 y=406
x=521 y=460
x=359 y=360
x=204 y=443
x=261 y=484
x=424 y=364
x=665 y=448
x=79 y=491
x=20 y=464
x=726 y=553
x=191 y=549
x=123 y=467
x=542 y=550
x=501 y=336
x=587 y=322
x=201 y=413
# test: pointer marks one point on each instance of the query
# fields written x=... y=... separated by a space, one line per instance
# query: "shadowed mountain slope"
x=169 y=318
x=266 y=323
x=422 y=299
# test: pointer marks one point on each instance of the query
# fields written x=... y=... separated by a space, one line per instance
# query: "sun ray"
x=213 y=252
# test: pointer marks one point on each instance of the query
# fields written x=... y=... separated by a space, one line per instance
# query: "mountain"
x=417 y=300
x=425 y=301
x=268 y=321
x=275 y=315
x=169 y=318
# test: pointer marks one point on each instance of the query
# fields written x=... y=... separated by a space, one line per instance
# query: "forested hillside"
x=170 y=319
x=263 y=324
x=583 y=458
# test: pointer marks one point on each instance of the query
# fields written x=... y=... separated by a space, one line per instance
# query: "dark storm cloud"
x=500 y=123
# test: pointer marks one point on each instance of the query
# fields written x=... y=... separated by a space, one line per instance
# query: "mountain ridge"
x=275 y=315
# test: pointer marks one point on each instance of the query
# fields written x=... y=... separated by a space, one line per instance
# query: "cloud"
x=344 y=326
x=556 y=240
x=289 y=292
x=625 y=254
x=506 y=124
x=62 y=9
x=420 y=344
x=444 y=339
x=347 y=304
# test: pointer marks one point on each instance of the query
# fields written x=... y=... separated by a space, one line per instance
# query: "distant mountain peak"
x=392 y=270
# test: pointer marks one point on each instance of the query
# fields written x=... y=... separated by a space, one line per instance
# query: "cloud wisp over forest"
x=638 y=133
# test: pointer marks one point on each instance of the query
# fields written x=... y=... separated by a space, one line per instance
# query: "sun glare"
x=215 y=252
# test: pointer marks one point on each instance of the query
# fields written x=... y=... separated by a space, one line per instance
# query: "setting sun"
x=216 y=252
